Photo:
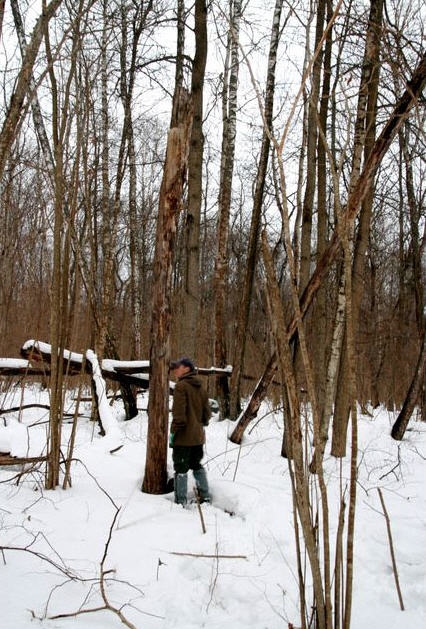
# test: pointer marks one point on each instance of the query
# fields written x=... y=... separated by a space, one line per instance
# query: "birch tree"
x=229 y=130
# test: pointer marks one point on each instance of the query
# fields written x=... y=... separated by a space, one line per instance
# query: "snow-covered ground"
x=161 y=570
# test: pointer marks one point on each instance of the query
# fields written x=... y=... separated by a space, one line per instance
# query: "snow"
x=114 y=437
x=14 y=363
x=110 y=365
x=107 y=363
x=46 y=348
x=161 y=570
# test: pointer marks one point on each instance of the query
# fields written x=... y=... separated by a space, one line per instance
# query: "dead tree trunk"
x=170 y=204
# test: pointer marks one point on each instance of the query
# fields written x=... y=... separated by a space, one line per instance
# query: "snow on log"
x=18 y=366
x=13 y=439
x=133 y=372
x=128 y=366
x=37 y=350
x=113 y=435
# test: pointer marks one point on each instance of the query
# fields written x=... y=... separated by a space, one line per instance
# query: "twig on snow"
x=103 y=573
x=206 y=556
x=394 y=467
x=394 y=568
x=197 y=497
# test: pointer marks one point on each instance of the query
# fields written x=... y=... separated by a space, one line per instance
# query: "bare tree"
x=16 y=106
x=253 y=245
x=61 y=251
x=128 y=77
x=229 y=122
x=35 y=105
x=399 y=113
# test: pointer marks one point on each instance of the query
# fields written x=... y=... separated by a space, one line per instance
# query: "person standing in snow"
x=190 y=414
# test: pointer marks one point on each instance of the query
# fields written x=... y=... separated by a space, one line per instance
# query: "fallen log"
x=18 y=460
x=127 y=372
x=18 y=367
x=135 y=372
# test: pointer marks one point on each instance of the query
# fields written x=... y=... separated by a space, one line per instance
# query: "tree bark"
x=109 y=209
x=257 y=397
x=311 y=154
x=191 y=277
x=170 y=204
x=321 y=316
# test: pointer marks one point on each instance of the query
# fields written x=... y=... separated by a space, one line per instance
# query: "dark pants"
x=187 y=458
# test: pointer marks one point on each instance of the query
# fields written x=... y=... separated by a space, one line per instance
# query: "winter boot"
x=181 y=485
x=202 y=485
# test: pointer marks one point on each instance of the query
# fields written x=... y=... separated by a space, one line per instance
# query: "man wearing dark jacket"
x=191 y=413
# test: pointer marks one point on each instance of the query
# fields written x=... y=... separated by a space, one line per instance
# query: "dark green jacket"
x=191 y=411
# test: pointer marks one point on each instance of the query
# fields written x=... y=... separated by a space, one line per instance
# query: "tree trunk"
x=127 y=80
x=365 y=130
x=35 y=105
x=253 y=246
x=321 y=331
x=61 y=258
x=413 y=395
x=103 y=308
x=257 y=397
x=191 y=298
x=170 y=204
x=311 y=154
x=229 y=121
x=297 y=463
x=331 y=374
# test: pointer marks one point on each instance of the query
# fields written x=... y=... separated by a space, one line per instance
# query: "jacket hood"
x=192 y=379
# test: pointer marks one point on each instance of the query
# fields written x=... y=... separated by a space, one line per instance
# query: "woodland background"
x=287 y=101
x=243 y=183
